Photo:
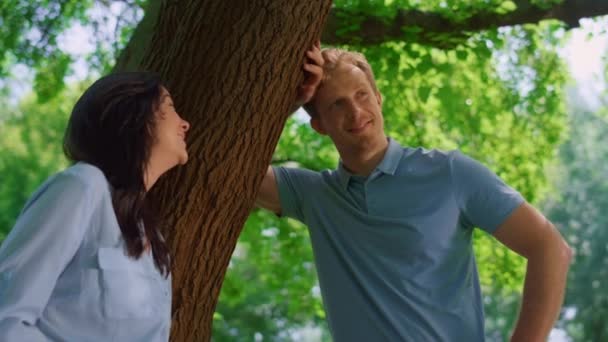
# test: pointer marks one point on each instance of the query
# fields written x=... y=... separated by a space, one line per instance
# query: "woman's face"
x=169 y=147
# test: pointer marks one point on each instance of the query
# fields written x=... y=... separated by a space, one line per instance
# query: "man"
x=391 y=227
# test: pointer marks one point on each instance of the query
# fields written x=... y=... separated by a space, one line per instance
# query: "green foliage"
x=48 y=80
x=30 y=32
x=273 y=295
x=28 y=35
x=30 y=150
x=580 y=213
x=456 y=10
x=545 y=4
x=353 y=14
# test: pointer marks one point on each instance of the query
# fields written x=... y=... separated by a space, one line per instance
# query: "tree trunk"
x=233 y=68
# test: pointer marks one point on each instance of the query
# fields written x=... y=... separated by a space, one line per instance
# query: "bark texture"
x=233 y=68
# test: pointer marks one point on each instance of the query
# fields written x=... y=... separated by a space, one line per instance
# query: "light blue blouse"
x=64 y=274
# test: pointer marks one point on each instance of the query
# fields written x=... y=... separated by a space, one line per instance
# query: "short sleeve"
x=485 y=200
x=296 y=189
x=43 y=241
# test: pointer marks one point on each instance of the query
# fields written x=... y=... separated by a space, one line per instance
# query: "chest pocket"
x=130 y=288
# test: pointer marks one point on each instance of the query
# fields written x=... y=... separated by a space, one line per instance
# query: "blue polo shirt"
x=393 y=250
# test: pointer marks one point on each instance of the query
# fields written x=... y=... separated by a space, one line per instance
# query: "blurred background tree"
x=498 y=94
x=578 y=209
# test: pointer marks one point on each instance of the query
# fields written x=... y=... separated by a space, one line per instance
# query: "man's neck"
x=363 y=160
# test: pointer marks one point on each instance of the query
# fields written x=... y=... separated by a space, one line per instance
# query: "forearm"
x=268 y=194
x=543 y=293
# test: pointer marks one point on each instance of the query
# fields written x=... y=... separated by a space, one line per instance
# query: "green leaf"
x=423 y=93
x=462 y=54
x=506 y=7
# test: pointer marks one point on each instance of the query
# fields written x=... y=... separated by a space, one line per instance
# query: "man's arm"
x=528 y=233
x=268 y=195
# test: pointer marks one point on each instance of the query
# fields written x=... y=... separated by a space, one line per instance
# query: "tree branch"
x=432 y=29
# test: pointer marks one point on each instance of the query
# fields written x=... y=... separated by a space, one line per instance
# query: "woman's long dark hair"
x=112 y=127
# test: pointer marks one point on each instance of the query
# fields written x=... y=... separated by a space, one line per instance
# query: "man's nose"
x=354 y=111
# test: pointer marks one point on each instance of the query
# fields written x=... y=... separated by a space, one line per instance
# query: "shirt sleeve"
x=44 y=239
x=296 y=188
x=484 y=199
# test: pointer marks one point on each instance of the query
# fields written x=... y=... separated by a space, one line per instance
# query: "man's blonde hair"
x=332 y=58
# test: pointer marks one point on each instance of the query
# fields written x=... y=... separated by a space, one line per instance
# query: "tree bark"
x=233 y=68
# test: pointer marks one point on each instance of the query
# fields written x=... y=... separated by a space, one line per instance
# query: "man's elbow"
x=550 y=246
x=271 y=206
x=566 y=252
x=562 y=250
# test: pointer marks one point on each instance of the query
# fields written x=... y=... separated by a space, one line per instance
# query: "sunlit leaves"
x=30 y=31
x=50 y=74
x=506 y=7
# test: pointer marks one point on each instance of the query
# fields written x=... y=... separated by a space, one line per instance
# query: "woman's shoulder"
x=84 y=175
x=79 y=184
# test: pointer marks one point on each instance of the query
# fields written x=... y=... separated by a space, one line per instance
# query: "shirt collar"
x=343 y=175
x=388 y=165
x=391 y=159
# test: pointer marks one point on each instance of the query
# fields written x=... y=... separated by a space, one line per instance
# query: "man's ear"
x=315 y=123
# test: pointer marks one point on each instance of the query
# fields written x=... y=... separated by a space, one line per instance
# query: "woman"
x=85 y=260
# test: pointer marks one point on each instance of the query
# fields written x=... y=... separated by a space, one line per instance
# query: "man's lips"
x=360 y=128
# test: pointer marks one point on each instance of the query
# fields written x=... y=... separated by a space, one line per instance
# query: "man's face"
x=349 y=111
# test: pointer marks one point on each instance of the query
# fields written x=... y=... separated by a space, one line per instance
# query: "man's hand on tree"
x=313 y=70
